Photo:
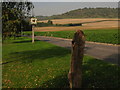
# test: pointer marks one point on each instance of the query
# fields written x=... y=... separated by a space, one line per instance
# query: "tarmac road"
x=100 y=51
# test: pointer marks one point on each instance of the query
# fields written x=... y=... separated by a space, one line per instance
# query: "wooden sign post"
x=33 y=23
x=75 y=73
x=33 y=34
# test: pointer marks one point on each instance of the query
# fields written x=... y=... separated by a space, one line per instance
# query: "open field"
x=66 y=21
x=27 y=65
x=97 y=35
x=90 y=25
x=104 y=24
x=43 y=29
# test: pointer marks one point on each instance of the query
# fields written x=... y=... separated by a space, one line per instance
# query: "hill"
x=85 y=13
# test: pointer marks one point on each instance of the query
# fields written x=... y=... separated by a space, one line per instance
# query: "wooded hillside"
x=85 y=13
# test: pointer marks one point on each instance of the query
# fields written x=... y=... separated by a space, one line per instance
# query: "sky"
x=75 y=0
x=54 y=8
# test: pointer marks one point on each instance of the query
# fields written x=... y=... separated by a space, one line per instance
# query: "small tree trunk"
x=75 y=73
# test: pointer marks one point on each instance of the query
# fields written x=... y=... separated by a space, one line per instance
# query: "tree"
x=50 y=22
x=14 y=14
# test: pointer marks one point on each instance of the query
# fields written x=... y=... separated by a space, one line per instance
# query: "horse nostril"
x=72 y=42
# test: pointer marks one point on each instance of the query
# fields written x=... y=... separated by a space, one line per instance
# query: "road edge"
x=86 y=41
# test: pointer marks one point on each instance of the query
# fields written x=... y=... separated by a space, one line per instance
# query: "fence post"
x=75 y=73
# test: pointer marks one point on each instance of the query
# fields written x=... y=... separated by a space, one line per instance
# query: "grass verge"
x=103 y=35
x=43 y=65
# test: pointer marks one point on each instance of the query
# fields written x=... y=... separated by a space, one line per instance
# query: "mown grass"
x=103 y=35
x=43 y=65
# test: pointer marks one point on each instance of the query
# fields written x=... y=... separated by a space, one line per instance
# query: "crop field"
x=98 y=35
x=43 y=29
x=65 y=21
x=94 y=23
x=44 y=65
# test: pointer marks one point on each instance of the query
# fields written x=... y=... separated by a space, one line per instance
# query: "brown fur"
x=75 y=72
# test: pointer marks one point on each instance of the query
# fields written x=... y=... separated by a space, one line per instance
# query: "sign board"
x=33 y=21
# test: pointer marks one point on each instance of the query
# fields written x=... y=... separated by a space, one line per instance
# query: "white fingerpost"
x=33 y=34
x=33 y=22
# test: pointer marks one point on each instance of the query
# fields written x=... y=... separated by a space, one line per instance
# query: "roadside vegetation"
x=15 y=18
x=43 y=65
x=98 y=35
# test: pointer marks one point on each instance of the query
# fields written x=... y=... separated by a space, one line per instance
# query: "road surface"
x=100 y=51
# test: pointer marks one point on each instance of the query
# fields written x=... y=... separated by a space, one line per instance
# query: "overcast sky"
x=75 y=0
x=54 y=8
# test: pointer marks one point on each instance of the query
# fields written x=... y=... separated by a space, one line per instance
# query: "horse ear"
x=80 y=31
